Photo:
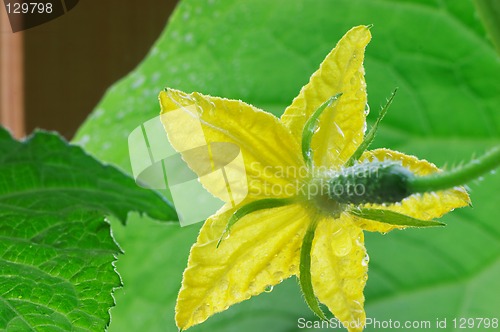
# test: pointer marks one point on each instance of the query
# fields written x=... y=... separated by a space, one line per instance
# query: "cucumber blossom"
x=371 y=182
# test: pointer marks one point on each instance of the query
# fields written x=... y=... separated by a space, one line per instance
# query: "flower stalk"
x=458 y=176
x=390 y=182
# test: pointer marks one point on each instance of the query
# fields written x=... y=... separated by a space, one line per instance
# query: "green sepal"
x=371 y=134
x=489 y=13
x=393 y=218
x=458 y=176
x=305 y=280
x=310 y=127
x=266 y=203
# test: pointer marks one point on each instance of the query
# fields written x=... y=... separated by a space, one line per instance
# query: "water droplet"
x=358 y=306
x=138 y=82
x=341 y=243
x=84 y=140
x=339 y=130
x=226 y=236
x=268 y=289
x=364 y=128
x=235 y=293
x=224 y=284
x=365 y=260
x=278 y=275
x=201 y=312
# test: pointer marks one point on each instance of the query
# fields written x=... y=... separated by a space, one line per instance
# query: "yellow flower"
x=264 y=242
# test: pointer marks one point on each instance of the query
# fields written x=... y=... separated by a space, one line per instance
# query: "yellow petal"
x=231 y=145
x=339 y=269
x=425 y=206
x=261 y=251
x=342 y=125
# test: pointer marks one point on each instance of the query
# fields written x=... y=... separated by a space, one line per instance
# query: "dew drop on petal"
x=226 y=236
x=224 y=284
x=235 y=292
x=357 y=306
x=341 y=243
x=268 y=289
x=278 y=275
x=201 y=312
x=365 y=260
x=367 y=109
x=339 y=130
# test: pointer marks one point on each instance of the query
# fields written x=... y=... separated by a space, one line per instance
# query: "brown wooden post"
x=11 y=77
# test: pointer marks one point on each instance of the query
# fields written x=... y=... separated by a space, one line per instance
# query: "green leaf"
x=45 y=166
x=56 y=249
x=263 y=52
x=56 y=271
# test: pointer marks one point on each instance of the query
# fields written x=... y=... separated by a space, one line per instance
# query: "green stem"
x=310 y=128
x=489 y=12
x=458 y=176
x=305 y=270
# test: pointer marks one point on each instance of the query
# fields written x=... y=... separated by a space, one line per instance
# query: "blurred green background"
x=263 y=52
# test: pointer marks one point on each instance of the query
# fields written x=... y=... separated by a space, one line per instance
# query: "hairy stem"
x=458 y=176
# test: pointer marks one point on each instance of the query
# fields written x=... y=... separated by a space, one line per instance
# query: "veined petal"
x=339 y=269
x=425 y=206
x=232 y=146
x=342 y=125
x=262 y=249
